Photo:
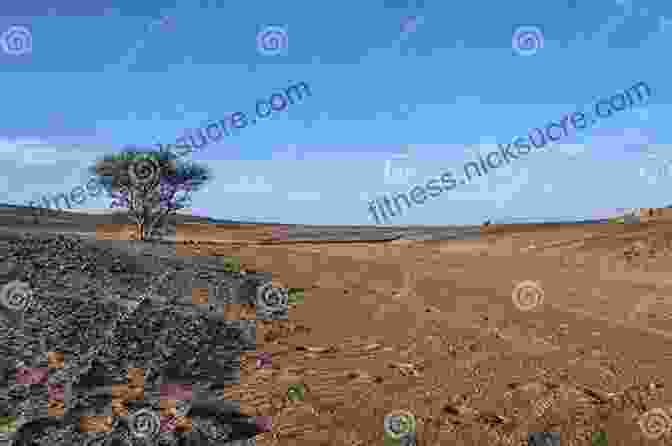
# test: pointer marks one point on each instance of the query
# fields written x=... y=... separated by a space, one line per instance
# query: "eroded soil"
x=431 y=327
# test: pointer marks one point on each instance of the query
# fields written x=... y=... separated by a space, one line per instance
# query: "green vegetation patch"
x=296 y=296
x=231 y=264
x=8 y=424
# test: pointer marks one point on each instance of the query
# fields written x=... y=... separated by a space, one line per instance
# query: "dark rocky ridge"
x=80 y=290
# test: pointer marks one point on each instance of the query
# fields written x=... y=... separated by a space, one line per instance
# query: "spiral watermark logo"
x=97 y=440
x=527 y=40
x=17 y=40
x=527 y=295
x=541 y=406
x=272 y=41
x=144 y=172
x=16 y=296
x=145 y=423
x=655 y=423
x=399 y=427
x=272 y=299
x=182 y=408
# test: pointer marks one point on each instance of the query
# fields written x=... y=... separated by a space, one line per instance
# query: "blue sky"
x=99 y=78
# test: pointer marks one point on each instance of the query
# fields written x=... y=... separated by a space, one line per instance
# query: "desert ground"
x=431 y=327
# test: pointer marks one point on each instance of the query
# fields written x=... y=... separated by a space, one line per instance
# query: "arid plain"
x=431 y=327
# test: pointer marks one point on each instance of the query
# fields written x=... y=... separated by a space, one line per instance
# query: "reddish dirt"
x=431 y=327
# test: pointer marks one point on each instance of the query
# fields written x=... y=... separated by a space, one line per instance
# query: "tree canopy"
x=151 y=184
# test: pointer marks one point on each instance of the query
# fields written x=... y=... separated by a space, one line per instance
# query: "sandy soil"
x=431 y=327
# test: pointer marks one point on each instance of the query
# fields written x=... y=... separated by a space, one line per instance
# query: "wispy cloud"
x=34 y=151
x=249 y=185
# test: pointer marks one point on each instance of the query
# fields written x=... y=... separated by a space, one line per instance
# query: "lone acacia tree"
x=151 y=184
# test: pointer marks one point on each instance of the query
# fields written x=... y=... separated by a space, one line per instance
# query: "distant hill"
x=182 y=218
x=555 y=221
x=113 y=215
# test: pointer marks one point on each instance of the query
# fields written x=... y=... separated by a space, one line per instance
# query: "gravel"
x=108 y=306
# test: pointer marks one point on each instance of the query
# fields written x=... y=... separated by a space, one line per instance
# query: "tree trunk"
x=144 y=226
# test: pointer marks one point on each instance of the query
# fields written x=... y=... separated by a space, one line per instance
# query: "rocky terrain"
x=104 y=310
x=484 y=340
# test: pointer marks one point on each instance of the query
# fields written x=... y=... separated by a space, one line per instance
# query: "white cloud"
x=498 y=185
x=39 y=155
x=35 y=152
x=506 y=192
x=8 y=147
x=245 y=185
x=397 y=170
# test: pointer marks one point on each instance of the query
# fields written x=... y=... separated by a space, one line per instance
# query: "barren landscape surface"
x=431 y=327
